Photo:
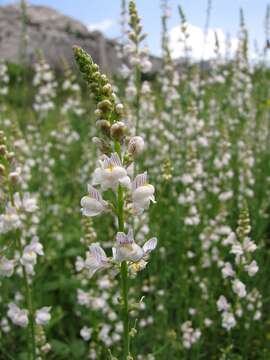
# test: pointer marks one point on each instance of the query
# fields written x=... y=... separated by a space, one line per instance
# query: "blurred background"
x=50 y=30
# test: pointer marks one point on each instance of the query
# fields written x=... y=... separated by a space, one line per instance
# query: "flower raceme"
x=114 y=174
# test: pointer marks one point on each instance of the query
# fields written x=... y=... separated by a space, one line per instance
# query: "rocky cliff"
x=53 y=33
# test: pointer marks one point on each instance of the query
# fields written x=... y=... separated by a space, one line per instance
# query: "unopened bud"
x=136 y=145
x=98 y=113
x=96 y=76
x=2 y=169
x=133 y=332
x=107 y=89
x=118 y=130
x=119 y=108
x=104 y=78
x=10 y=156
x=104 y=126
x=104 y=105
x=14 y=177
x=3 y=149
x=95 y=67
x=102 y=145
x=46 y=348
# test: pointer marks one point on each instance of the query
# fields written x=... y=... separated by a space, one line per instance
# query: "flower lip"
x=93 y=204
x=123 y=239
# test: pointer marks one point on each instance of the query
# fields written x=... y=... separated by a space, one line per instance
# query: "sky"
x=103 y=15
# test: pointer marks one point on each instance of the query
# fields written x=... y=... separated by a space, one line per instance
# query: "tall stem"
x=124 y=268
x=28 y=295
x=29 y=303
x=124 y=285
x=138 y=96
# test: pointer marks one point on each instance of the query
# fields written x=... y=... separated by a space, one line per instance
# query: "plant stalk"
x=123 y=270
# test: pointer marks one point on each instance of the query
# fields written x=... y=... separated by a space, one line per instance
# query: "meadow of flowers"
x=135 y=209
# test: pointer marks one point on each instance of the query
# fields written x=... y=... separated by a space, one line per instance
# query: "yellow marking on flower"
x=110 y=167
x=127 y=246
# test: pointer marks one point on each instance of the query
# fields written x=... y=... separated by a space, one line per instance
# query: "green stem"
x=31 y=328
x=124 y=270
x=124 y=285
x=29 y=302
x=138 y=97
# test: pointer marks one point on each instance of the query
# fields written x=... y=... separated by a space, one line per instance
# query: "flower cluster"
x=71 y=93
x=112 y=178
x=45 y=84
x=19 y=256
x=241 y=246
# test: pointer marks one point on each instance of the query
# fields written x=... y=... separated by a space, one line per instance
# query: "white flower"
x=93 y=204
x=252 y=268
x=230 y=240
x=257 y=315
x=222 y=304
x=228 y=320
x=6 y=266
x=239 y=288
x=111 y=173
x=127 y=250
x=9 y=220
x=27 y=203
x=187 y=179
x=17 y=316
x=227 y=270
x=4 y=324
x=237 y=249
x=43 y=315
x=83 y=298
x=29 y=257
x=208 y=322
x=136 y=145
x=79 y=264
x=249 y=245
x=86 y=333
x=96 y=259
x=142 y=193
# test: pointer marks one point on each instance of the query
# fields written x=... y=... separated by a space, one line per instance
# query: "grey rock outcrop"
x=53 y=33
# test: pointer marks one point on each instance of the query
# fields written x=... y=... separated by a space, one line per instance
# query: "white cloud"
x=196 y=42
x=102 y=26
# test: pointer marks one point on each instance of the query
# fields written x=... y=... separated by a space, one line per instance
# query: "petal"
x=115 y=160
x=121 y=238
x=140 y=180
x=125 y=181
x=94 y=193
x=150 y=245
x=130 y=236
x=114 y=253
x=97 y=177
x=97 y=252
x=91 y=207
